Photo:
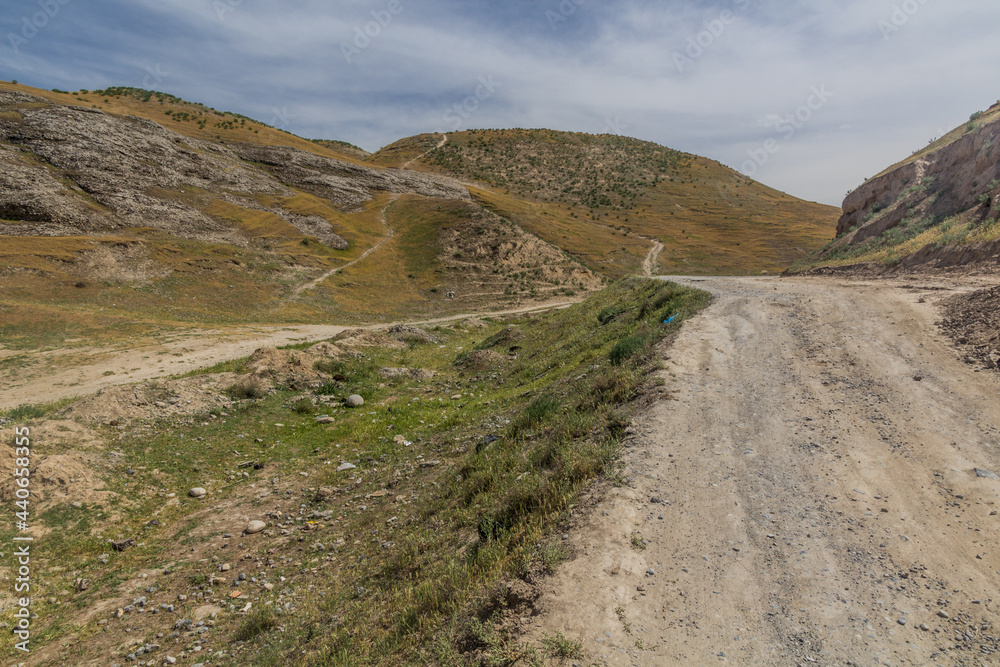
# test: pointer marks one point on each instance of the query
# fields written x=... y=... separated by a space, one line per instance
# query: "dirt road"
x=52 y=375
x=807 y=491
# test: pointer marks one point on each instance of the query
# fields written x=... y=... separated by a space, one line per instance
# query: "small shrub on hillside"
x=607 y=315
x=629 y=347
x=25 y=412
x=540 y=409
x=255 y=625
x=247 y=388
x=303 y=406
x=327 y=389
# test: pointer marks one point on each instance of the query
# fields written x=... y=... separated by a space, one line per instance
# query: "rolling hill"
x=125 y=210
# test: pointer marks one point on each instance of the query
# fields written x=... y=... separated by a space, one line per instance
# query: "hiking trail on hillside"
x=389 y=233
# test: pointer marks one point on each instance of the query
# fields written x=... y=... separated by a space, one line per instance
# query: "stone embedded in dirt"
x=197 y=492
x=122 y=545
x=325 y=419
x=255 y=527
x=901 y=621
x=355 y=401
x=925 y=627
x=943 y=614
x=323 y=494
x=987 y=474
x=346 y=466
x=225 y=567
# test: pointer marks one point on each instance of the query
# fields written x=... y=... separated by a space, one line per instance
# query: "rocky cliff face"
x=962 y=177
x=73 y=171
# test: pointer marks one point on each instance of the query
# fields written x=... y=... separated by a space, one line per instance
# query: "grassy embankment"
x=418 y=541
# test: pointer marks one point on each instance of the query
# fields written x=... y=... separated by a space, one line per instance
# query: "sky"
x=807 y=96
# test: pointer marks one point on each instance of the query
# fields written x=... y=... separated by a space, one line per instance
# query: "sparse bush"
x=25 y=412
x=249 y=387
x=628 y=348
x=327 y=389
x=304 y=406
x=541 y=409
x=558 y=646
x=254 y=626
x=607 y=315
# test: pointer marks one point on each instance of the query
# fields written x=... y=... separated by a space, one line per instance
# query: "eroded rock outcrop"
x=67 y=170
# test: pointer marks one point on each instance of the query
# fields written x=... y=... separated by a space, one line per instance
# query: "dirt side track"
x=817 y=494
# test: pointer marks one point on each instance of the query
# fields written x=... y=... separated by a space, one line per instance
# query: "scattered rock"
x=325 y=419
x=323 y=494
x=987 y=474
x=943 y=614
x=122 y=545
x=901 y=621
x=346 y=466
x=197 y=492
x=355 y=401
x=255 y=527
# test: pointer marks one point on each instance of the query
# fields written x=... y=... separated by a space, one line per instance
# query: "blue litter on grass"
x=671 y=320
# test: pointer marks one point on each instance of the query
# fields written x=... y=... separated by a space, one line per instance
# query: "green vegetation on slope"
x=596 y=171
x=404 y=559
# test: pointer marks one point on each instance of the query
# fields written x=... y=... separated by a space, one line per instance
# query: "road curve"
x=816 y=450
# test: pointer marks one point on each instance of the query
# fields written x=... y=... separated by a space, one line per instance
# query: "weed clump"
x=248 y=388
x=260 y=623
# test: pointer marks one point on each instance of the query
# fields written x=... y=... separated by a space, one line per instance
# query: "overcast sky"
x=808 y=96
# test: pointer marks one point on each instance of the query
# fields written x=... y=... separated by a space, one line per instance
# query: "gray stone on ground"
x=197 y=492
x=987 y=474
x=346 y=466
x=255 y=527
x=355 y=401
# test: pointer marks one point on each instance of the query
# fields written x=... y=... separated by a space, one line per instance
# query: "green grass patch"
x=420 y=535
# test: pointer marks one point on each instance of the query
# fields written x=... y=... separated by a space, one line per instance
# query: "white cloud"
x=609 y=64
